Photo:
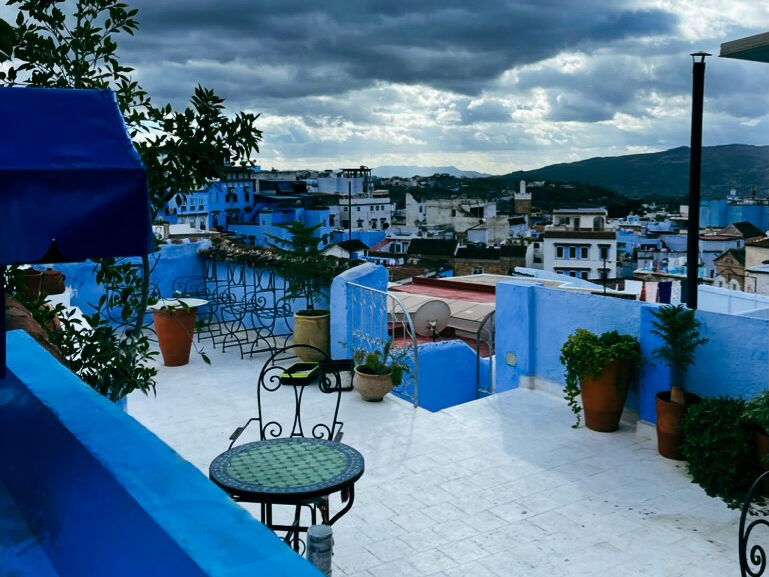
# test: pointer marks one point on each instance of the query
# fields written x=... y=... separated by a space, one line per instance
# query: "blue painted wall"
x=533 y=322
x=107 y=497
x=436 y=390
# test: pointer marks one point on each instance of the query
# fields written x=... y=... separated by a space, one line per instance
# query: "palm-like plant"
x=680 y=333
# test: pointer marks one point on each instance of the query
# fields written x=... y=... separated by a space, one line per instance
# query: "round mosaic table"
x=289 y=470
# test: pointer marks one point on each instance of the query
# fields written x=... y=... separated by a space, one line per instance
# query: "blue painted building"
x=718 y=213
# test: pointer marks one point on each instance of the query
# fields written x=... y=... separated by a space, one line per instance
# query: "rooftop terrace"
x=495 y=487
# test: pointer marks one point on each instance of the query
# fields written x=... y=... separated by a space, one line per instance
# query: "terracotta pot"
x=761 y=450
x=175 y=328
x=53 y=281
x=32 y=280
x=603 y=397
x=670 y=417
x=372 y=387
x=313 y=328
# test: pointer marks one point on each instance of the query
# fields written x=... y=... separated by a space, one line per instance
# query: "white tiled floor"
x=498 y=487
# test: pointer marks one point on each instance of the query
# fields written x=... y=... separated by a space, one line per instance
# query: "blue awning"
x=71 y=184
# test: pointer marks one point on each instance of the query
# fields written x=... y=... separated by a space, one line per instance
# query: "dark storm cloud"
x=459 y=46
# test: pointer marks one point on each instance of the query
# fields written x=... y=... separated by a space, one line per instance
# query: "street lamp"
x=695 y=173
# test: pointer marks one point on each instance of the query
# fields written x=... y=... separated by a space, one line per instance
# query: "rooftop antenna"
x=430 y=318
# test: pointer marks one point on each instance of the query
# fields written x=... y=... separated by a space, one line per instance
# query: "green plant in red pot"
x=599 y=369
x=679 y=330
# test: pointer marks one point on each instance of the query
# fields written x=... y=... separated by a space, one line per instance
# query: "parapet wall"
x=104 y=496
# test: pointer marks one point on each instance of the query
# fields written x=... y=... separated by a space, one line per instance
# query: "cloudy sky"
x=487 y=85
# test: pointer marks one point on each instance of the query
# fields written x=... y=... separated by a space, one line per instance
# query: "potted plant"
x=599 y=367
x=717 y=448
x=377 y=371
x=308 y=273
x=175 y=326
x=680 y=333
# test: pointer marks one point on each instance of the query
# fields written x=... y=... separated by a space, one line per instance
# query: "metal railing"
x=378 y=316
x=485 y=334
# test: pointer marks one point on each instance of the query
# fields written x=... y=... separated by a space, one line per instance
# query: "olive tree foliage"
x=73 y=44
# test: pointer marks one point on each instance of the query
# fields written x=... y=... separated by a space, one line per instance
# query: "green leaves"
x=302 y=264
x=388 y=359
x=718 y=449
x=679 y=330
x=586 y=353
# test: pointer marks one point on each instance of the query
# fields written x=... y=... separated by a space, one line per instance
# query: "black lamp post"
x=695 y=173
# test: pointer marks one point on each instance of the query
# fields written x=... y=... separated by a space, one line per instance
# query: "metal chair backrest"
x=297 y=398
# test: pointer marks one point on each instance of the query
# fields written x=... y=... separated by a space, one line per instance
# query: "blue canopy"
x=71 y=184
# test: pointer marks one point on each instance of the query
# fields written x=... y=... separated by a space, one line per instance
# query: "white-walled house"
x=460 y=214
x=579 y=244
x=368 y=212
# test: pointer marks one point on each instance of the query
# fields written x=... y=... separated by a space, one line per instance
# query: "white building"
x=374 y=212
x=579 y=244
x=461 y=215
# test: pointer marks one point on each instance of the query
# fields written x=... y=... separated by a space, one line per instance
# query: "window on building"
x=246 y=193
x=572 y=252
x=559 y=252
x=477 y=270
x=583 y=252
x=583 y=275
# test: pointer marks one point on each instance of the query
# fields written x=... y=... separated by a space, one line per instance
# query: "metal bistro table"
x=289 y=471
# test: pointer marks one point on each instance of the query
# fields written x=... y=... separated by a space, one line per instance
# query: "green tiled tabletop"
x=287 y=469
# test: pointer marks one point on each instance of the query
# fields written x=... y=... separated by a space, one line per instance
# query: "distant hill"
x=409 y=171
x=666 y=174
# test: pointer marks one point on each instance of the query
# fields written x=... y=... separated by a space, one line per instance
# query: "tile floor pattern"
x=493 y=488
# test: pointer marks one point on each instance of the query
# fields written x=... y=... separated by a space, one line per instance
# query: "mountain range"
x=391 y=171
x=742 y=167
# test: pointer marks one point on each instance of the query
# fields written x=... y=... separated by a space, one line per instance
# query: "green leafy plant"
x=387 y=360
x=77 y=48
x=301 y=262
x=718 y=450
x=679 y=330
x=756 y=411
x=586 y=353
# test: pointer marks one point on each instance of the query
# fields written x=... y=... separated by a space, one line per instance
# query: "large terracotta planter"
x=603 y=397
x=372 y=387
x=175 y=328
x=313 y=328
x=32 y=280
x=670 y=417
x=53 y=282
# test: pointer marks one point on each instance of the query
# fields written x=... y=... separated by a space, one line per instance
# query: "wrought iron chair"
x=753 y=547
x=297 y=399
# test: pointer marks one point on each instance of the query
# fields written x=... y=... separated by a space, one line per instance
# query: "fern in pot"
x=599 y=369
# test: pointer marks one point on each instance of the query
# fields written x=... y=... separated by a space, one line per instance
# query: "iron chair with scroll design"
x=753 y=557
x=272 y=379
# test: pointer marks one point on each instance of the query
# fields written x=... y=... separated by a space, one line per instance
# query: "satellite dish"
x=430 y=318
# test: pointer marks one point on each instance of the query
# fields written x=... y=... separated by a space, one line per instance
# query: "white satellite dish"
x=430 y=318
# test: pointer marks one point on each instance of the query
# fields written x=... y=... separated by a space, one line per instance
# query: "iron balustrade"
x=378 y=316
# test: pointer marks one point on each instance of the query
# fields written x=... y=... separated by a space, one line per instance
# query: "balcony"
x=499 y=485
